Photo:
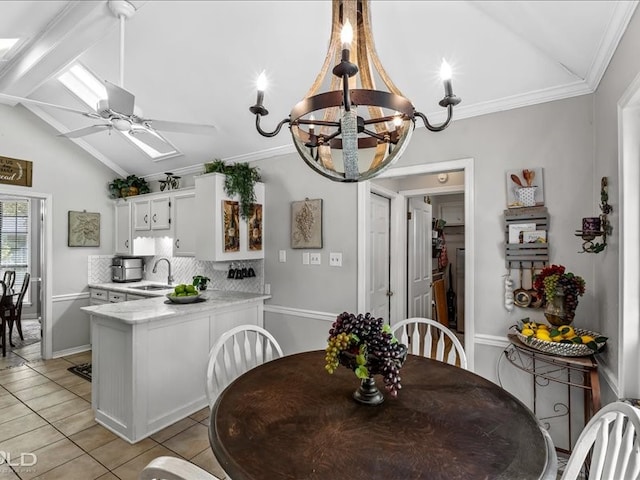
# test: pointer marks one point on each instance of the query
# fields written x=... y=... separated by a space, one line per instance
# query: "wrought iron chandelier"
x=371 y=127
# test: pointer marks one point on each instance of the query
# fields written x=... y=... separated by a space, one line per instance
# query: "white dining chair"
x=237 y=351
x=613 y=438
x=428 y=338
x=551 y=468
x=171 y=468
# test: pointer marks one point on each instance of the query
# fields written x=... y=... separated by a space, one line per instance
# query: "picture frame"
x=84 y=229
x=231 y=227
x=306 y=223
x=254 y=230
x=519 y=181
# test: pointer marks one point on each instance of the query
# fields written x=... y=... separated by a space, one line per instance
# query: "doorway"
x=36 y=316
x=398 y=254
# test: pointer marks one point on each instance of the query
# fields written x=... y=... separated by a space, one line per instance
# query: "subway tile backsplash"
x=183 y=270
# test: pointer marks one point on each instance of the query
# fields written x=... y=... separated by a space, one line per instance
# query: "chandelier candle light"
x=385 y=121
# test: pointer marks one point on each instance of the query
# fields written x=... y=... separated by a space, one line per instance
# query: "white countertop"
x=129 y=287
x=158 y=307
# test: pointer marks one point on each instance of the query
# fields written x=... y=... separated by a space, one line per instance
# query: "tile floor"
x=46 y=411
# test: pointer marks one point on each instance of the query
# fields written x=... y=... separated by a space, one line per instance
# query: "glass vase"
x=555 y=311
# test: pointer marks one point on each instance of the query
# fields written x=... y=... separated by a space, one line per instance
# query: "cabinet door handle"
x=177 y=243
x=154 y=218
x=146 y=218
x=126 y=243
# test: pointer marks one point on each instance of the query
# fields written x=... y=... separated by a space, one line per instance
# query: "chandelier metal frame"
x=386 y=124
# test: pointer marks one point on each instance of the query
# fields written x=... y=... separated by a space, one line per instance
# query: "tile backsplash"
x=183 y=269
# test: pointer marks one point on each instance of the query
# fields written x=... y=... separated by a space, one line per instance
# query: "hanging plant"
x=240 y=180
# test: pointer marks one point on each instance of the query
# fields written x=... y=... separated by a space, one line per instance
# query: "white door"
x=419 y=258
x=379 y=280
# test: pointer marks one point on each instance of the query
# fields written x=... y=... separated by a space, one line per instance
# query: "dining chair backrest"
x=172 y=468
x=431 y=339
x=23 y=288
x=9 y=278
x=613 y=438
x=237 y=351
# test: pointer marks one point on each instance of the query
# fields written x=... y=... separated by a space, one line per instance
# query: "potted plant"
x=200 y=282
x=129 y=186
x=240 y=179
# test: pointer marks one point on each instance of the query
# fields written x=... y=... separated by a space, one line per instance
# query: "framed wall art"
x=306 y=224
x=231 y=219
x=255 y=227
x=84 y=229
x=525 y=188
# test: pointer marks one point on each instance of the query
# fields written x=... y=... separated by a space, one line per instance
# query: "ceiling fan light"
x=121 y=124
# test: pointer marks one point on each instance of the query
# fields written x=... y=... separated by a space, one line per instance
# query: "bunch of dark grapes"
x=366 y=336
x=573 y=287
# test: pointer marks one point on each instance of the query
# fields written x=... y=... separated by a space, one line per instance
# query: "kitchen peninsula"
x=149 y=357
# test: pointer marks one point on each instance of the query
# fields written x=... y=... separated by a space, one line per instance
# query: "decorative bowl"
x=562 y=349
x=183 y=299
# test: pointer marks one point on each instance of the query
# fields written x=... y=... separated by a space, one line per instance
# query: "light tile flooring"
x=45 y=410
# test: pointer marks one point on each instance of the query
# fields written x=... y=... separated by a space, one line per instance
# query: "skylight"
x=88 y=88
x=84 y=85
x=6 y=44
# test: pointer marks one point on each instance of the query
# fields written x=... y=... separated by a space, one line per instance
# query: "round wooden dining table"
x=290 y=419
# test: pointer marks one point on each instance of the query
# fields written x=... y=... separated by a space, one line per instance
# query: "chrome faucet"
x=155 y=269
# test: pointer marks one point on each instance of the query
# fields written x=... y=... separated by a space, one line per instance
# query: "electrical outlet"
x=335 y=259
x=267 y=289
x=305 y=258
x=315 y=259
x=282 y=256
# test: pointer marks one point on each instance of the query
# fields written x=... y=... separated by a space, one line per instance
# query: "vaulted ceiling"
x=197 y=62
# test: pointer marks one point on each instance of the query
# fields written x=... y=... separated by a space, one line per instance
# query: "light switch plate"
x=282 y=256
x=335 y=259
x=305 y=258
x=315 y=258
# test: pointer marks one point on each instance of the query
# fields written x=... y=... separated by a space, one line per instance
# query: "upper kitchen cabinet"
x=222 y=234
x=126 y=244
x=152 y=213
x=185 y=224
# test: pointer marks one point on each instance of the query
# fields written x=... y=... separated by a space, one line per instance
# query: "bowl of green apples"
x=184 y=294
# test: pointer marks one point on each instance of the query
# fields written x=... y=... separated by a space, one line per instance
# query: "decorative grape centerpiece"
x=561 y=291
x=366 y=345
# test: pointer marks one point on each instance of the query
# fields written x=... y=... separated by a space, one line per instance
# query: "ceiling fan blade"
x=180 y=127
x=81 y=132
x=120 y=100
x=45 y=104
x=153 y=139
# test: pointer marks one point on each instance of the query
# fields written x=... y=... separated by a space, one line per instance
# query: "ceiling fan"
x=117 y=110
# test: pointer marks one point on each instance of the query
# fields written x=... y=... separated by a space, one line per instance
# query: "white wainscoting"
x=70 y=325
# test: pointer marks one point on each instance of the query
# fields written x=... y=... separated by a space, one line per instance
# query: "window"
x=14 y=238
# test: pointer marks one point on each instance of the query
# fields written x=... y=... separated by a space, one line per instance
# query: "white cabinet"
x=185 y=224
x=452 y=213
x=152 y=213
x=98 y=296
x=210 y=241
x=123 y=229
x=126 y=244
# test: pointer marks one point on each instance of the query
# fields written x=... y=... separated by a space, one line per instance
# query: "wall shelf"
x=526 y=255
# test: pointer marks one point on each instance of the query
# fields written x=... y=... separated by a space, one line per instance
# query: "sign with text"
x=15 y=172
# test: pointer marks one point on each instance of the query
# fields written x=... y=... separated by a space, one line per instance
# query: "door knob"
x=389 y=293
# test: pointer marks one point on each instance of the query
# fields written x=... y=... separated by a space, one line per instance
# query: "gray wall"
x=76 y=181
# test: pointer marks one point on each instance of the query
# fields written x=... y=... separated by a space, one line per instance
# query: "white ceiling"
x=197 y=61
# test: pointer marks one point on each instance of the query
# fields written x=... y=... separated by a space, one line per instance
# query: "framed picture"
x=255 y=227
x=84 y=229
x=306 y=224
x=231 y=218
x=525 y=188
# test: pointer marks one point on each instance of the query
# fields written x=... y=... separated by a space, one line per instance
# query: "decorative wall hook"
x=595 y=227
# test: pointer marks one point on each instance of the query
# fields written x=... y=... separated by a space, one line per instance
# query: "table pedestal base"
x=368 y=393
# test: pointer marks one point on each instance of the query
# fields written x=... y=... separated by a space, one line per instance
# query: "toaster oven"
x=127 y=269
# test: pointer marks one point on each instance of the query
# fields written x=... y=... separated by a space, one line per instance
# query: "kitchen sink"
x=152 y=287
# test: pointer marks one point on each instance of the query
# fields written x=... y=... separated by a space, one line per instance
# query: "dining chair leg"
x=18 y=321
x=4 y=337
x=11 y=331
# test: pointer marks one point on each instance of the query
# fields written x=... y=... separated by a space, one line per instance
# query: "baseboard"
x=71 y=351
x=299 y=312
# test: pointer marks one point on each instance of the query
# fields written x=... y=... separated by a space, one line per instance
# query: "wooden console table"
x=578 y=372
